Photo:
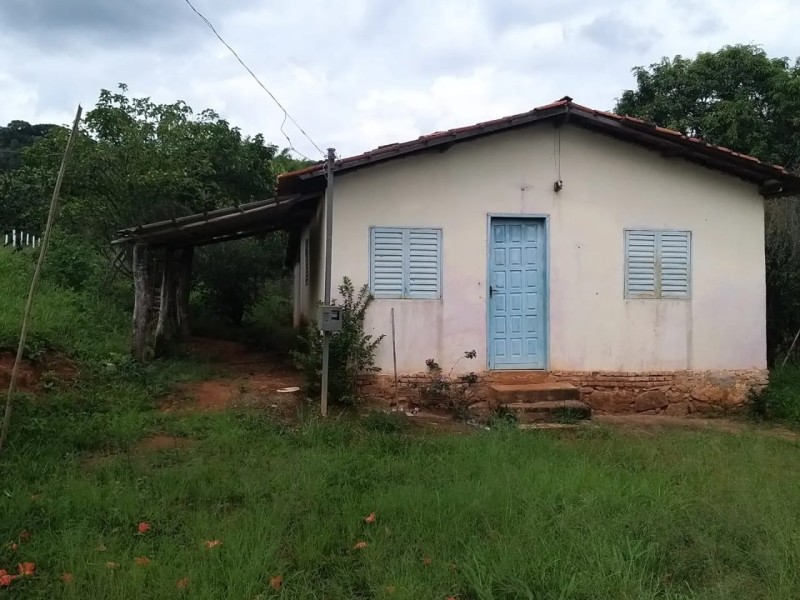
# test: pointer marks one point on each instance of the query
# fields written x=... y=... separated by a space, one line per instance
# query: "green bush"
x=81 y=324
x=230 y=277
x=351 y=351
x=781 y=400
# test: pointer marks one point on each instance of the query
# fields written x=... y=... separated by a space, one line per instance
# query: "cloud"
x=613 y=32
x=99 y=20
x=359 y=73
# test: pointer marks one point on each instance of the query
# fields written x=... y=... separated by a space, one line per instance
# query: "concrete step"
x=520 y=377
x=533 y=412
x=503 y=394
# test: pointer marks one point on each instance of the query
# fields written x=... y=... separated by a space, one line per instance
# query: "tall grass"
x=781 y=400
x=501 y=514
x=80 y=324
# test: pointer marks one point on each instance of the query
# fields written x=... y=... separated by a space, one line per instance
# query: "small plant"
x=352 y=352
x=451 y=393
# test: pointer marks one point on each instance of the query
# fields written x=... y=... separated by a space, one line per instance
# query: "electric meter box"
x=330 y=318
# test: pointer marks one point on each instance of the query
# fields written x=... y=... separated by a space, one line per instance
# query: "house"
x=563 y=244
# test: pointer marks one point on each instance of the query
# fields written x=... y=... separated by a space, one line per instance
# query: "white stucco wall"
x=608 y=186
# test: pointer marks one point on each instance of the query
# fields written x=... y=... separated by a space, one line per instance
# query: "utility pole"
x=326 y=335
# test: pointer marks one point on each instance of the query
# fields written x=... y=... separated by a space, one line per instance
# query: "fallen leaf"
x=182 y=583
x=213 y=544
x=453 y=567
x=360 y=546
x=67 y=578
x=26 y=569
x=102 y=548
x=370 y=518
x=112 y=565
x=426 y=561
x=24 y=536
x=276 y=582
x=142 y=561
x=13 y=546
x=36 y=497
x=143 y=527
x=6 y=579
x=390 y=589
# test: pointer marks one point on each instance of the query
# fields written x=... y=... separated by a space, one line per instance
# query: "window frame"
x=657 y=292
x=406 y=294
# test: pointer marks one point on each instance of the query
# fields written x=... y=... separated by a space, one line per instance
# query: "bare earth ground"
x=32 y=377
x=247 y=379
x=254 y=379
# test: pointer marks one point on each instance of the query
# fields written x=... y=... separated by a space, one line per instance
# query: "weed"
x=352 y=352
x=447 y=391
x=780 y=401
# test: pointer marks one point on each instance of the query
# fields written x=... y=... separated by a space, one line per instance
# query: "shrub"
x=781 y=399
x=451 y=393
x=351 y=350
x=230 y=277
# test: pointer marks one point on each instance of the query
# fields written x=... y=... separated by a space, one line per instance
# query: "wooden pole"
x=167 y=312
x=143 y=301
x=184 y=287
x=26 y=316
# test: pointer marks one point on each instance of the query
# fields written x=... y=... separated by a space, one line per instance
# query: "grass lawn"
x=600 y=513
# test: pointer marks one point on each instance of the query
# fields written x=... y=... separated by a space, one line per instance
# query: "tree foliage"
x=740 y=98
x=14 y=138
x=136 y=161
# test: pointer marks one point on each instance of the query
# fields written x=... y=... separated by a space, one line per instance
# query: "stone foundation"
x=661 y=392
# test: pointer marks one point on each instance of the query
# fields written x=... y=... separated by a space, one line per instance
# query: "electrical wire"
x=286 y=115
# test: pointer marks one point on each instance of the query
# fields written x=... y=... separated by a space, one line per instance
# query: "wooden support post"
x=143 y=301
x=167 y=314
x=184 y=287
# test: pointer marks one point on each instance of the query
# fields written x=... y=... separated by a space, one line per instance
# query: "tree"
x=135 y=162
x=739 y=98
x=14 y=138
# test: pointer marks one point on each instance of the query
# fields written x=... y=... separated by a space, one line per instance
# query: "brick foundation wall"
x=662 y=392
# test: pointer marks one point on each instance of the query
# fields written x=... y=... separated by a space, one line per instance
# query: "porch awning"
x=280 y=213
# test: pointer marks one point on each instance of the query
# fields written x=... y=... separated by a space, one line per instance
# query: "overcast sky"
x=360 y=73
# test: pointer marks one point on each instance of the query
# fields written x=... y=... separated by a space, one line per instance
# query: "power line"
x=286 y=115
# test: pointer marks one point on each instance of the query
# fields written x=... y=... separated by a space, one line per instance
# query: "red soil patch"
x=31 y=376
x=157 y=443
x=249 y=379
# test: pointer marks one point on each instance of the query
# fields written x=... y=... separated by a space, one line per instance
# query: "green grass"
x=500 y=514
x=781 y=400
x=82 y=325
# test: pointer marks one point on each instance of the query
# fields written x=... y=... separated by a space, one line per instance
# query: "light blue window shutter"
x=640 y=264
x=675 y=262
x=387 y=268
x=424 y=263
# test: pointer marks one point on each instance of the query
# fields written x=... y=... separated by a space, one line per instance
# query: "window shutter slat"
x=675 y=253
x=386 y=252
x=405 y=262
x=640 y=264
x=424 y=249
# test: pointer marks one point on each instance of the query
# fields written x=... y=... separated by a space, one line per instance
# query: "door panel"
x=517 y=333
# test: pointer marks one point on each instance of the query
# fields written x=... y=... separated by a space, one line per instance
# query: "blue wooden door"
x=518 y=281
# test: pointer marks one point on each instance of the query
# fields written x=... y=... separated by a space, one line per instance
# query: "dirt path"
x=247 y=378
